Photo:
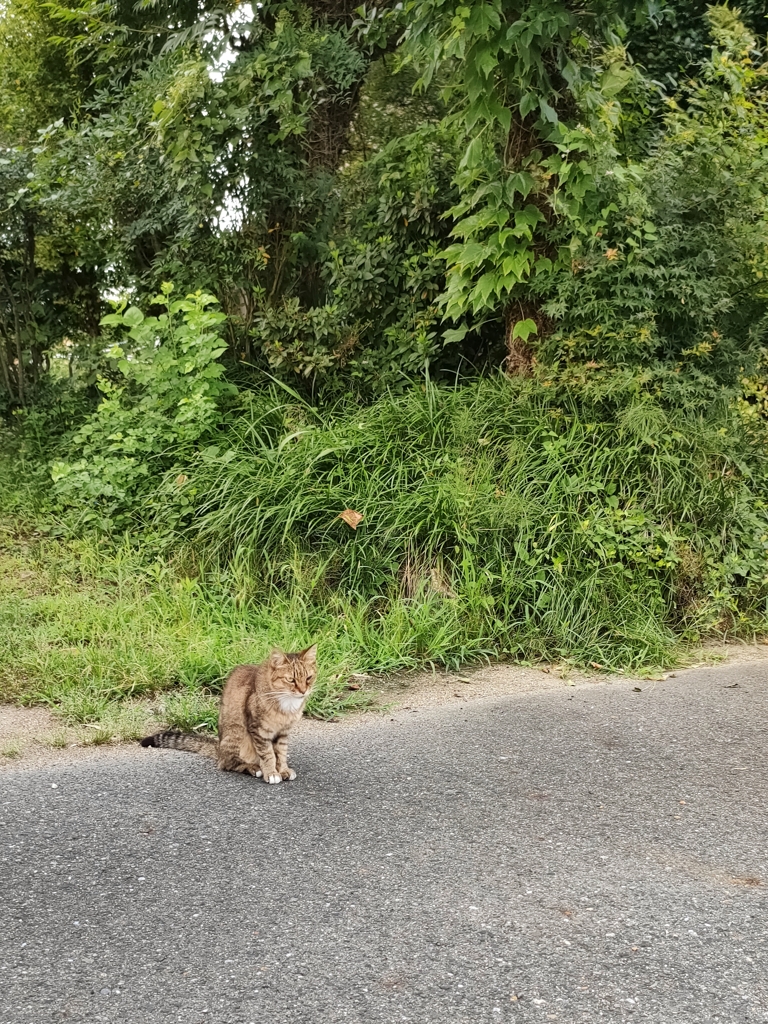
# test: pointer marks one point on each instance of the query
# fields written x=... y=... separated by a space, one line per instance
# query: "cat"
x=259 y=705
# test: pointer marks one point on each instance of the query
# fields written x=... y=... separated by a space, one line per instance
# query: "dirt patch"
x=413 y=691
x=30 y=737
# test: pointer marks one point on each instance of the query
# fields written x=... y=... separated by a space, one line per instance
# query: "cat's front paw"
x=288 y=774
x=273 y=779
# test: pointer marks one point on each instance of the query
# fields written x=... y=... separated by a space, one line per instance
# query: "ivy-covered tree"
x=369 y=193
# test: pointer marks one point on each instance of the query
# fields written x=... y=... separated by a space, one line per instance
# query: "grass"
x=87 y=631
x=501 y=519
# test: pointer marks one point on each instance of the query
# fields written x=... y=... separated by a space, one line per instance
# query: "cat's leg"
x=249 y=756
x=266 y=754
x=228 y=759
x=281 y=756
x=237 y=754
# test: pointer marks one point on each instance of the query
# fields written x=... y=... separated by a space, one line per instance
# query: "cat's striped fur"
x=259 y=705
x=175 y=740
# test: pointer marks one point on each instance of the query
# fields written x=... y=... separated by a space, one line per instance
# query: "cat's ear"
x=309 y=655
x=277 y=658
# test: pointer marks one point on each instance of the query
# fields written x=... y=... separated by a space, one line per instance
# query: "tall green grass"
x=511 y=517
x=85 y=626
x=501 y=519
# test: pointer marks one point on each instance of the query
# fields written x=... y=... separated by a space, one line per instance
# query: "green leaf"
x=133 y=316
x=614 y=80
x=523 y=329
x=485 y=286
x=528 y=103
x=521 y=182
x=455 y=334
x=472 y=254
x=486 y=61
x=501 y=113
x=473 y=154
x=548 y=112
x=482 y=17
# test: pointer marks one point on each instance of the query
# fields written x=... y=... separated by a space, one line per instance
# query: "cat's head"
x=295 y=673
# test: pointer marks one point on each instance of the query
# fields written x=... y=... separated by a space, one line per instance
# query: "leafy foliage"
x=165 y=396
x=536 y=87
x=352 y=231
x=361 y=209
x=677 y=273
x=513 y=499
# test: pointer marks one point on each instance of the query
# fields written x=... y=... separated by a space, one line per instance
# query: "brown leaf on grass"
x=351 y=518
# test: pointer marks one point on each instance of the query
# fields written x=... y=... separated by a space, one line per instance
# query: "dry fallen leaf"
x=351 y=518
x=611 y=254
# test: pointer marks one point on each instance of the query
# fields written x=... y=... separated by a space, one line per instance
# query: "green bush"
x=582 y=519
x=164 y=398
x=677 y=274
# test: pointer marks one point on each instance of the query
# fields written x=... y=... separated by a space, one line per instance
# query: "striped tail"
x=182 y=741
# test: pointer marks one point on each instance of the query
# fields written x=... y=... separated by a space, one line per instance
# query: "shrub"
x=165 y=397
x=584 y=518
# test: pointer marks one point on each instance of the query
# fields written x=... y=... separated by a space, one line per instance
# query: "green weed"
x=501 y=519
x=86 y=630
x=191 y=710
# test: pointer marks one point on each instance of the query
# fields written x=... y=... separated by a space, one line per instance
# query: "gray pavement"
x=589 y=854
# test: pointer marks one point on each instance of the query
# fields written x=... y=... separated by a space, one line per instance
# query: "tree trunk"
x=520 y=355
x=4 y=370
x=19 y=361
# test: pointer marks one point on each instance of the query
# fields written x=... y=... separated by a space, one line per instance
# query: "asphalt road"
x=590 y=854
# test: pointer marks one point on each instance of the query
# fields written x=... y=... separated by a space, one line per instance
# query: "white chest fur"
x=290 y=703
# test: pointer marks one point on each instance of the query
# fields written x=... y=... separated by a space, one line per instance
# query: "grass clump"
x=527 y=519
x=500 y=517
x=87 y=629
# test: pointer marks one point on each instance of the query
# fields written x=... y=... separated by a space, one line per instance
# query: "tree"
x=366 y=193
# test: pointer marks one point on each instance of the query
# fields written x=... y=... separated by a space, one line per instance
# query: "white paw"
x=258 y=774
x=291 y=775
x=273 y=779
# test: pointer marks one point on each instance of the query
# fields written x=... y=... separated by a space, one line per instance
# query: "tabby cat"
x=259 y=705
